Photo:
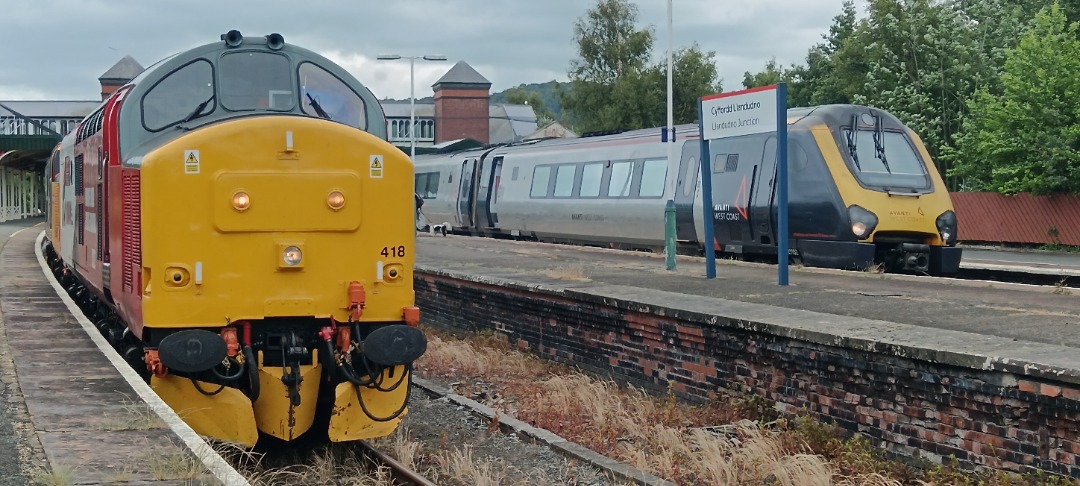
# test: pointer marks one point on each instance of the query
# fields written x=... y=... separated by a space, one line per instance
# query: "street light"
x=412 y=95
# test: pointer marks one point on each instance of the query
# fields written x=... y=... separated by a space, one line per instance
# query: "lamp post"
x=412 y=95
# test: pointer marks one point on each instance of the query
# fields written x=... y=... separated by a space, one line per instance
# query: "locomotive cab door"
x=465 y=194
x=763 y=205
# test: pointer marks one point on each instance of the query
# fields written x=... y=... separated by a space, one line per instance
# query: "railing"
x=14 y=125
x=22 y=194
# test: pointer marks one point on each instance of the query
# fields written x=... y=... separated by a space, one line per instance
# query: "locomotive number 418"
x=393 y=251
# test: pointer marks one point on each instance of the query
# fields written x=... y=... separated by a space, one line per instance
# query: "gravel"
x=440 y=425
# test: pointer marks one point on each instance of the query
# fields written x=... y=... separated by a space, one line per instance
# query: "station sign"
x=738 y=113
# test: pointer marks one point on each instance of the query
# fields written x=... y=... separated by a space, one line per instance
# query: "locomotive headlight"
x=292 y=256
x=241 y=201
x=863 y=222
x=336 y=200
x=946 y=225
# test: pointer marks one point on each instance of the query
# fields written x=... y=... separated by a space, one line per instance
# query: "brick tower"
x=123 y=71
x=461 y=105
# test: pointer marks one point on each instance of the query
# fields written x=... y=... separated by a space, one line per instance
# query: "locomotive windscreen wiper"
x=318 y=108
x=198 y=111
x=879 y=143
x=852 y=138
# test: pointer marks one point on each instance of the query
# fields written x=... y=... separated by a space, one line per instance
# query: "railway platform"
x=984 y=373
x=1044 y=314
x=77 y=413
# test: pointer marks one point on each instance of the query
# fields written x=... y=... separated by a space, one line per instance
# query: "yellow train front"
x=864 y=191
x=258 y=242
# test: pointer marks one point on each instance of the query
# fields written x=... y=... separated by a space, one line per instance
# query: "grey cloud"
x=61 y=47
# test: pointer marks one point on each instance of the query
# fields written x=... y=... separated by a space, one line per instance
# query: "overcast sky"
x=55 y=49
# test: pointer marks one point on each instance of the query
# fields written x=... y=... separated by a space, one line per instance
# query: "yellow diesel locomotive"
x=236 y=224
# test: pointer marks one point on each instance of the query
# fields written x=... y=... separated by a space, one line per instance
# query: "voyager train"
x=235 y=223
x=863 y=191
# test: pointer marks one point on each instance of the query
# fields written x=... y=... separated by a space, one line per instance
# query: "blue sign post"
x=738 y=113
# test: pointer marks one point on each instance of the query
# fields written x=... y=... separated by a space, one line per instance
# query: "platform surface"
x=1040 y=314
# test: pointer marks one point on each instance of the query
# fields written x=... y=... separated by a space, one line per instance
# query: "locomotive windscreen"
x=885 y=160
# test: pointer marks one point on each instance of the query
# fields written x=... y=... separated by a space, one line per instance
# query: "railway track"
x=399 y=473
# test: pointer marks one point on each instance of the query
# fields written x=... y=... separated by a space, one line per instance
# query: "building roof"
x=510 y=123
x=394 y=109
x=551 y=130
x=123 y=71
x=462 y=75
x=51 y=109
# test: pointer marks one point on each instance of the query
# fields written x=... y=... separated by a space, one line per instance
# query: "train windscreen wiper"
x=318 y=108
x=879 y=143
x=852 y=138
x=198 y=111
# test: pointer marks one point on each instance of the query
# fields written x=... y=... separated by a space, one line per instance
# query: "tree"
x=1027 y=139
x=612 y=85
x=521 y=96
x=614 y=52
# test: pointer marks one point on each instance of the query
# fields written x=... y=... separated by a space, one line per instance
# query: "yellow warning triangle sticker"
x=191 y=158
x=376 y=163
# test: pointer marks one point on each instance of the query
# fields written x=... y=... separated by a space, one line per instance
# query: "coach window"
x=591 y=176
x=653 y=177
x=180 y=95
x=622 y=174
x=324 y=95
x=540 y=179
x=564 y=180
x=255 y=81
x=718 y=164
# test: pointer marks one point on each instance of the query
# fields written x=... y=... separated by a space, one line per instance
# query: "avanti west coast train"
x=863 y=191
x=235 y=222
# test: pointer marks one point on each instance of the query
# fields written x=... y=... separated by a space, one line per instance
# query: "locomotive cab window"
x=885 y=159
x=324 y=95
x=255 y=81
x=183 y=95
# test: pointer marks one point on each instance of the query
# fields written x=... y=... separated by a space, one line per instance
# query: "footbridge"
x=28 y=132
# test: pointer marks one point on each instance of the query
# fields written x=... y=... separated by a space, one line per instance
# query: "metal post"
x=412 y=110
x=669 y=234
x=782 y=183
x=708 y=240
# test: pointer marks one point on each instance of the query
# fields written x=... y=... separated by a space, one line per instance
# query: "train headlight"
x=292 y=256
x=863 y=222
x=241 y=201
x=946 y=225
x=336 y=200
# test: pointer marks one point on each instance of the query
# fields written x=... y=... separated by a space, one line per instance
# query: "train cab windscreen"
x=885 y=160
x=252 y=80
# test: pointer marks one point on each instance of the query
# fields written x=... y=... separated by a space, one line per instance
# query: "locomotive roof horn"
x=275 y=41
x=233 y=38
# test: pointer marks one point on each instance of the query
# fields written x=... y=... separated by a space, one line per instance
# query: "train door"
x=465 y=194
x=490 y=176
x=734 y=175
x=762 y=207
x=686 y=191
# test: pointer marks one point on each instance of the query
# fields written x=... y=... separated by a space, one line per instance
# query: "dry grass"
x=576 y=273
x=722 y=442
x=134 y=416
x=59 y=476
x=174 y=465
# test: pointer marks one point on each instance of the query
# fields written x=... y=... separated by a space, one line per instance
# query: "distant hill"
x=547 y=93
x=546 y=90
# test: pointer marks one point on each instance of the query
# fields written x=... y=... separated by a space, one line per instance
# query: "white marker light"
x=292 y=256
x=198 y=273
x=379 y=271
x=288 y=141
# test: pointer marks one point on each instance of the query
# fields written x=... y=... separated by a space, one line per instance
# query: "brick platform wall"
x=910 y=407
